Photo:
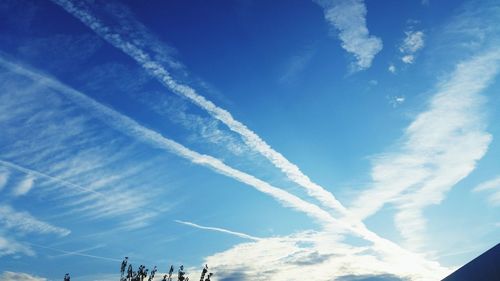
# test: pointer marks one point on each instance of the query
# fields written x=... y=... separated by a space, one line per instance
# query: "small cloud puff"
x=392 y=68
x=349 y=18
x=396 y=101
x=413 y=42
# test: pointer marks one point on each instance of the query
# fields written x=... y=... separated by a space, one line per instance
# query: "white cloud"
x=316 y=256
x=493 y=188
x=396 y=101
x=413 y=42
x=24 y=186
x=23 y=222
x=10 y=246
x=19 y=276
x=426 y=166
x=349 y=18
x=409 y=59
x=392 y=68
x=218 y=229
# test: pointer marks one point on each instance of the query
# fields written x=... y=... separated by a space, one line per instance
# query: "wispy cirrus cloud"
x=218 y=229
x=492 y=187
x=24 y=186
x=9 y=246
x=69 y=169
x=349 y=18
x=20 y=276
x=296 y=65
x=426 y=166
x=23 y=222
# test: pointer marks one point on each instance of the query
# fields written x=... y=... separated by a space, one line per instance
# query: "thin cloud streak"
x=291 y=170
x=238 y=234
x=493 y=187
x=19 y=276
x=24 y=186
x=45 y=176
x=9 y=246
x=23 y=222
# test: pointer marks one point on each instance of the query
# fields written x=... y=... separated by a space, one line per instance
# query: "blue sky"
x=273 y=140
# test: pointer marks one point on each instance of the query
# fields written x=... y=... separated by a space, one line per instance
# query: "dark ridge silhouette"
x=486 y=267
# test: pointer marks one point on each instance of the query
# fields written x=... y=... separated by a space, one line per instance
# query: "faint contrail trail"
x=45 y=176
x=130 y=127
x=239 y=234
x=291 y=170
x=79 y=251
x=75 y=253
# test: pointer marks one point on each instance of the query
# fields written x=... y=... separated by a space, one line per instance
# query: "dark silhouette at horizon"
x=485 y=267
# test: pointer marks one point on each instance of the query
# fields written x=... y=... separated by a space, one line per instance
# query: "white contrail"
x=79 y=251
x=291 y=170
x=45 y=176
x=130 y=127
x=239 y=234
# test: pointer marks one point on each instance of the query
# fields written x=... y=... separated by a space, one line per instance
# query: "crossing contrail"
x=75 y=253
x=253 y=140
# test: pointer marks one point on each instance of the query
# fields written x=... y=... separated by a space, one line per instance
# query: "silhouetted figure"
x=170 y=272
x=130 y=272
x=164 y=278
x=152 y=275
x=124 y=265
x=66 y=277
x=208 y=277
x=205 y=270
x=181 y=273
